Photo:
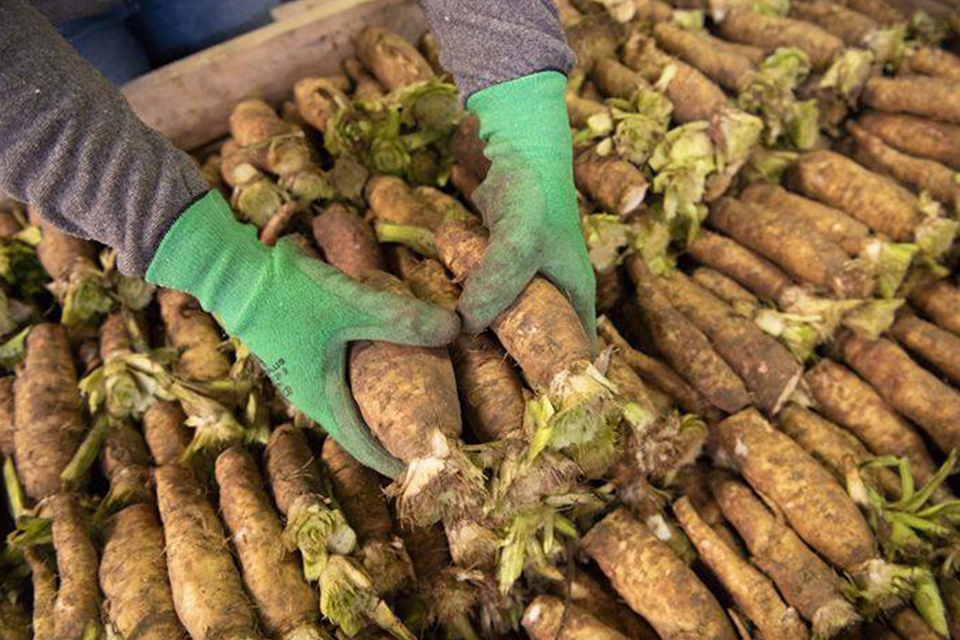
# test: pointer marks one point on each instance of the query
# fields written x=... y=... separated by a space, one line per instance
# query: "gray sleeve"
x=71 y=146
x=485 y=42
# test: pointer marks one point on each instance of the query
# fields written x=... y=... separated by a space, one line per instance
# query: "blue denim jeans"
x=138 y=35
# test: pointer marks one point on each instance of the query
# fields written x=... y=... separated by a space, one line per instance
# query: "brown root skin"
x=930 y=342
x=876 y=201
x=77 y=609
x=49 y=417
x=358 y=492
x=44 y=582
x=939 y=301
x=950 y=591
x=60 y=253
x=588 y=594
x=491 y=391
x=133 y=576
x=655 y=582
x=853 y=404
x=114 y=338
x=195 y=334
x=910 y=625
x=347 y=242
x=394 y=61
x=549 y=618
x=761 y=277
x=594 y=37
x=466 y=147
x=766 y=367
x=772 y=31
x=814 y=504
x=272 y=574
x=794 y=246
x=207 y=591
x=255 y=121
x=615 y=184
x=392 y=200
x=7 y=417
x=684 y=346
x=318 y=100
x=919 y=173
x=833 y=224
x=125 y=462
x=909 y=388
x=165 y=433
x=804 y=580
x=934 y=98
x=465 y=182
x=915 y=135
x=616 y=80
x=932 y=61
x=879 y=10
x=850 y=26
x=365 y=86
x=753 y=592
x=727 y=68
x=725 y=288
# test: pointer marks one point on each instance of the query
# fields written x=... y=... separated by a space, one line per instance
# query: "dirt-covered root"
x=728 y=68
x=847 y=400
x=466 y=147
x=164 y=430
x=804 y=580
x=915 y=135
x=587 y=592
x=133 y=577
x=616 y=80
x=549 y=618
x=393 y=201
x=613 y=183
x=365 y=86
x=394 y=61
x=761 y=277
x=654 y=581
x=346 y=241
x=939 y=301
x=8 y=423
x=271 y=573
x=816 y=506
x=933 y=344
x=207 y=591
x=60 y=253
x=49 y=417
x=318 y=100
x=196 y=335
x=770 y=31
x=934 y=98
x=125 y=461
x=43 y=579
x=910 y=625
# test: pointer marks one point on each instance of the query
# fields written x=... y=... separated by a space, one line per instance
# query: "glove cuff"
x=211 y=256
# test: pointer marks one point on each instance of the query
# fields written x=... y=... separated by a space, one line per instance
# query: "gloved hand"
x=528 y=201
x=295 y=313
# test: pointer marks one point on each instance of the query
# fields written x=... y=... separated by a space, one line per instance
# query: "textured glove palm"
x=296 y=314
x=528 y=201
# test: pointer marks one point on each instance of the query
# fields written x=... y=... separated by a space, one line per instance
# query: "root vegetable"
x=196 y=335
x=879 y=10
x=754 y=594
x=276 y=144
x=394 y=61
x=465 y=182
x=44 y=582
x=165 y=433
x=852 y=403
x=761 y=277
x=60 y=253
x=939 y=301
x=930 y=342
x=653 y=581
x=594 y=37
x=840 y=182
x=365 y=86
x=767 y=369
x=910 y=625
x=934 y=98
x=133 y=576
x=850 y=26
x=729 y=69
x=772 y=31
x=616 y=80
x=615 y=184
x=318 y=100
x=919 y=173
x=207 y=591
x=932 y=61
x=125 y=462
x=8 y=423
x=586 y=592
x=835 y=225
x=548 y=618
x=815 y=505
x=466 y=147
x=916 y=136
x=392 y=200
x=727 y=289
x=76 y=613
x=49 y=420
x=805 y=581
x=685 y=347
x=355 y=248
x=284 y=599
x=950 y=588
x=908 y=387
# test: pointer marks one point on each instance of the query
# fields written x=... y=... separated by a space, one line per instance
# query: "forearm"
x=486 y=42
x=71 y=147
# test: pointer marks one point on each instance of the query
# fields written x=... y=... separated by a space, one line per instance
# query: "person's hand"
x=528 y=201
x=295 y=313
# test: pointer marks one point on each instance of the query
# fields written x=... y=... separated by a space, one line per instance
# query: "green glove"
x=295 y=313
x=528 y=201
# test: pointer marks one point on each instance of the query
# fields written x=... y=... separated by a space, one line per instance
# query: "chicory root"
x=586 y=592
x=654 y=581
x=729 y=69
x=772 y=31
x=934 y=345
x=279 y=147
x=753 y=592
x=815 y=505
x=850 y=26
x=49 y=418
x=394 y=61
x=764 y=279
x=910 y=625
x=8 y=424
x=940 y=302
x=840 y=182
x=549 y=618
x=804 y=580
x=853 y=404
x=125 y=462
x=616 y=80
x=684 y=346
x=365 y=86
x=318 y=100
x=76 y=613
x=909 y=388
x=44 y=582
x=195 y=335
x=615 y=184
x=466 y=147
x=207 y=591
x=353 y=246
x=879 y=10
x=934 y=98
x=133 y=576
x=932 y=61
x=392 y=200
x=767 y=369
x=914 y=135
x=166 y=436
x=835 y=225
x=285 y=601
